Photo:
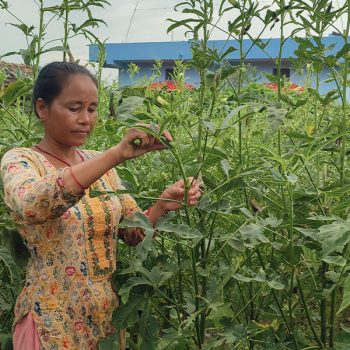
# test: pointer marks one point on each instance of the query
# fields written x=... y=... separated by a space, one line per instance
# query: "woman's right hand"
x=137 y=142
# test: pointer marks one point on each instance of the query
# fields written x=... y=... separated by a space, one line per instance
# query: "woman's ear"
x=41 y=109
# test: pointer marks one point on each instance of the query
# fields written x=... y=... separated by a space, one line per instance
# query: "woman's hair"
x=51 y=80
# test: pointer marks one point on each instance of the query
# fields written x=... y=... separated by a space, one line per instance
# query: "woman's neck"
x=55 y=150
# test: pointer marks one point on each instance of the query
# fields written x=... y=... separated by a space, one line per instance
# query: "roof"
x=119 y=55
x=14 y=71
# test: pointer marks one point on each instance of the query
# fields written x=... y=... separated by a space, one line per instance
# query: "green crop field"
x=263 y=261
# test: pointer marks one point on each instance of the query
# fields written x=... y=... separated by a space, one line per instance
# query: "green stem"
x=279 y=306
x=40 y=38
x=307 y=313
x=65 y=27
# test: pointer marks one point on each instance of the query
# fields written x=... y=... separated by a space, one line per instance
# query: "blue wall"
x=261 y=68
x=119 y=55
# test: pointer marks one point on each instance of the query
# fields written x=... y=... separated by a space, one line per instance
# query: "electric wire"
x=131 y=20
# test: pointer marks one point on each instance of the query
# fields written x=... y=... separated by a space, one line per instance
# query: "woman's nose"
x=84 y=116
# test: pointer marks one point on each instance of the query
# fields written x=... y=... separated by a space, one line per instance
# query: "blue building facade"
x=144 y=54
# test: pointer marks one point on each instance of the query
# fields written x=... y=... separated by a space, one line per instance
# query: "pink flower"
x=78 y=325
x=11 y=168
x=66 y=215
x=70 y=270
x=60 y=182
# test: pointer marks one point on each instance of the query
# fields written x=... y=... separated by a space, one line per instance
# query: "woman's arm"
x=86 y=173
x=31 y=196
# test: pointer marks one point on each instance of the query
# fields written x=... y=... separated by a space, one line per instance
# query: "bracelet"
x=75 y=179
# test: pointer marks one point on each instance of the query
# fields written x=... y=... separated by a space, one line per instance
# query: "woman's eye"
x=73 y=109
x=92 y=110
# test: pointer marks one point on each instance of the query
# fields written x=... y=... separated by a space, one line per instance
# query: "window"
x=284 y=71
x=169 y=73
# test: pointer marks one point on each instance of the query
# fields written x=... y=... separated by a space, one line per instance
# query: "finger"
x=193 y=202
x=151 y=141
x=145 y=140
x=157 y=147
x=194 y=199
x=177 y=191
x=194 y=189
x=167 y=135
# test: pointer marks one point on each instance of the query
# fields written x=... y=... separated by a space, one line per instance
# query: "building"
x=15 y=71
x=144 y=54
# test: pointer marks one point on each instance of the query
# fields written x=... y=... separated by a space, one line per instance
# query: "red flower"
x=66 y=343
x=54 y=288
x=168 y=85
x=78 y=325
x=105 y=304
x=70 y=270
x=30 y=214
x=49 y=233
x=292 y=87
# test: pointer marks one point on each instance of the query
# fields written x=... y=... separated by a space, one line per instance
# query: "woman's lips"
x=81 y=132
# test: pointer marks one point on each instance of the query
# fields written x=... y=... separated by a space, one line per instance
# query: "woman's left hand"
x=176 y=192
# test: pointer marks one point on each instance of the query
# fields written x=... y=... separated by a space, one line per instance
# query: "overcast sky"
x=146 y=20
x=147 y=23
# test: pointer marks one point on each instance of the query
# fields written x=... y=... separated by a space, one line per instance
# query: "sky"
x=147 y=23
x=127 y=20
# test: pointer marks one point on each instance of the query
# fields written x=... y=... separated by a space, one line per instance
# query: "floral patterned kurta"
x=71 y=239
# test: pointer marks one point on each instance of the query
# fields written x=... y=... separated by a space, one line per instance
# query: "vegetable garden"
x=263 y=261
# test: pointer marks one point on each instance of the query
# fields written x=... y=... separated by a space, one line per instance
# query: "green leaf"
x=14 y=272
x=253 y=234
x=27 y=31
x=219 y=311
x=109 y=343
x=131 y=283
x=346 y=296
x=126 y=314
x=139 y=220
x=6 y=341
x=335 y=260
x=181 y=230
x=149 y=330
x=16 y=90
x=226 y=122
x=225 y=166
x=274 y=284
x=144 y=247
x=343 y=51
x=334 y=237
x=156 y=276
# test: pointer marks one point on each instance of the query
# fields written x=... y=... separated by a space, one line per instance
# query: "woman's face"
x=72 y=115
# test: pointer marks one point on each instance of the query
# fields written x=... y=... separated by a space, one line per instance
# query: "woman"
x=67 y=300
